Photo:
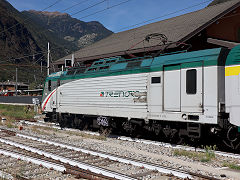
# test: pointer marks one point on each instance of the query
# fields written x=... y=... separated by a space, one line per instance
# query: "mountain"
x=77 y=33
x=15 y=37
x=26 y=34
x=217 y=2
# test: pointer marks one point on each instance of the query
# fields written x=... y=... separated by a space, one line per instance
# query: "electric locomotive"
x=189 y=95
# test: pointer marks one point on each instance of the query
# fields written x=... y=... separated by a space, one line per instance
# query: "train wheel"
x=232 y=138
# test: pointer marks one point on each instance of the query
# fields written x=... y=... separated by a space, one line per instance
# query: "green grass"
x=231 y=165
x=84 y=135
x=16 y=112
x=49 y=130
x=206 y=156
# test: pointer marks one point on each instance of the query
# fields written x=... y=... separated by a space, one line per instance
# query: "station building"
x=211 y=27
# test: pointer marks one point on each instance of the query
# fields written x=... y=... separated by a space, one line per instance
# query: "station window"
x=49 y=85
x=191 y=81
x=156 y=80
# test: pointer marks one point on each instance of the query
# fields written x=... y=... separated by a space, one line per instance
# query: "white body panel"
x=83 y=96
x=172 y=90
x=155 y=93
x=145 y=101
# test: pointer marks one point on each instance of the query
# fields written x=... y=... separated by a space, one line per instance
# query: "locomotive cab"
x=49 y=98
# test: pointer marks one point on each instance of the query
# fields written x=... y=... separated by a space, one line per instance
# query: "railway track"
x=98 y=163
x=144 y=141
x=12 y=167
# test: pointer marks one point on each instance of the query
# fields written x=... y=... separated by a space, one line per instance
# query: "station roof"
x=180 y=28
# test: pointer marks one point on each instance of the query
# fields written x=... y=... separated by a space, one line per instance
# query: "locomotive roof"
x=180 y=28
x=118 y=65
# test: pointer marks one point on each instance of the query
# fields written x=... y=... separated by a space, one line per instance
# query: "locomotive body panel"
x=107 y=96
x=169 y=88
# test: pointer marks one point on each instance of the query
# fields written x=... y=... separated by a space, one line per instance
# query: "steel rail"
x=37 y=161
x=85 y=166
x=49 y=161
x=151 y=166
x=147 y=165
x=162 y=144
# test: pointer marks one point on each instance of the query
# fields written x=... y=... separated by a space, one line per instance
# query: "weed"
x=190 y=154
x=103 y=138
x=16 y=112
x=41 y=130
x=206 y=156
x=209 y=153
x=231 y=165
x=10 y=125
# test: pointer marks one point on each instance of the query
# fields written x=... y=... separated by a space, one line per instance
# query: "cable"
x=29 y=17
x=110 y=44
x=74 y=5
x=88 y=7
x=94 y=48
x=143 y=22
x=52 y=5
x=119 y=41
x=105 y=9
x=22 y=65
x=71 y=15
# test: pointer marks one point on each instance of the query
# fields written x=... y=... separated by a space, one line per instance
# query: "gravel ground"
x=144 y=152
x=12 y=168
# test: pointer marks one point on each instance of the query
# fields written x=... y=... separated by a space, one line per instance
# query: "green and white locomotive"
x=183 y=95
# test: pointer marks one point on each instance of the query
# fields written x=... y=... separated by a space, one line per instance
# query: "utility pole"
x=48 y=61
x=16 y=88
x=41 y=66
x=72 y=60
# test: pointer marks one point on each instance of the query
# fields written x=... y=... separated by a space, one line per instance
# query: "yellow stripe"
x=232 y=71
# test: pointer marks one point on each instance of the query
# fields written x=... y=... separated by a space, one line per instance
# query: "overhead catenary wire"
x=93 y=48
x=109 y=7
x=168 y=14
x=119 y=41
x=89 y=7
x=110 y=44
x=74 y=5
x=39 y=52
x=189 y=7
x=56 y=2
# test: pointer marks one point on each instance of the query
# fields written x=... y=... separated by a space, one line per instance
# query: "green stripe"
x=170 y=68
x=234 y=56
x=191 y=65
x=186 y=60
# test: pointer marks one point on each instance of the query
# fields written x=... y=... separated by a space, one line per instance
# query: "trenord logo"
x=118 y=93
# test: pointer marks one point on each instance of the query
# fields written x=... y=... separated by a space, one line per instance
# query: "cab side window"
x=191 y=81
x=156 y=80
x=49 y=85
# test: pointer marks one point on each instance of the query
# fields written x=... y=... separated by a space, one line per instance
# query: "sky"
x=118 y=18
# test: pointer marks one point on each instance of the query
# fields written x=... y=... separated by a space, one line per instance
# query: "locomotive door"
x=172 y=88
x=192 y=87
x=53 y=100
